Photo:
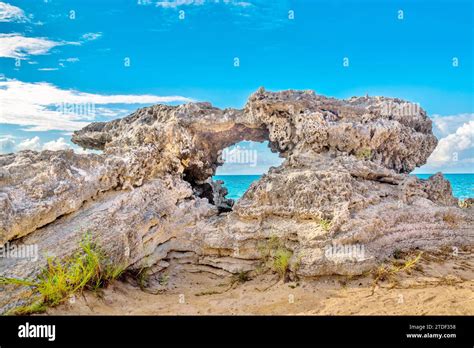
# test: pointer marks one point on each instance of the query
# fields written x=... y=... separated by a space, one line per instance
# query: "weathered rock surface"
x=342 y=201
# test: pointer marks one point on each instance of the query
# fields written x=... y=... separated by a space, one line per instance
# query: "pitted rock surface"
x=149 y=200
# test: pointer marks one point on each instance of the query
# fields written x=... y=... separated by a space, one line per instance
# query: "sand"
x=439 y=283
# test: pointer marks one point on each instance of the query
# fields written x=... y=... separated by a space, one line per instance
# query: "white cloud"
x=70 y=60
x=7 y=145
x=242 y=4
x=29 y=144
x=55 y=145
x=450 y=147
x=42 y=106
x=19 y=46
x=15 y=45
x=10 y=13
x=455 y=151
x=444 y=125
x=91 y=36
x=48 y=69
x=177 y=3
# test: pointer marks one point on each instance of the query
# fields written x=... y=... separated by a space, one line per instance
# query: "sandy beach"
x=439 y=284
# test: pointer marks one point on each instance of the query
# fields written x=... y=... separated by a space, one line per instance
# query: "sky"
x=64 y=64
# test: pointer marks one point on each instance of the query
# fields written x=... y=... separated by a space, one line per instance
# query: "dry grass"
x=450 y=218
x=388 y=272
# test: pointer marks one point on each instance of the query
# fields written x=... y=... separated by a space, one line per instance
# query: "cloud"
x=55 y=145
x=91 y=36
x=29 y=144
x=7 y=145
x=177 y=3
x=48 y=69
x=42 y=106
x=444 y=125
x=10 y=13
x=70 y=60
x=18 y=46
x=450 y=147
x=251 y=15
x=455 y=150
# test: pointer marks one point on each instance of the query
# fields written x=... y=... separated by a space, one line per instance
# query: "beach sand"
x=438 y=284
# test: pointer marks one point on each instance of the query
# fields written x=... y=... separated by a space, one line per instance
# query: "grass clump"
x=325 y=224
x=277 y=257
x=241 y=277
x=385 y=272
x=281 y=261
x=364 y=154
x=450 y=218
x=142 y=277
x=60 y=279
x=163 y=279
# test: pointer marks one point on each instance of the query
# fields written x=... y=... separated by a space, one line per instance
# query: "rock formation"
x=341 y=202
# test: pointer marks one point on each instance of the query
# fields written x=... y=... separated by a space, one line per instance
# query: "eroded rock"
x=341 y=202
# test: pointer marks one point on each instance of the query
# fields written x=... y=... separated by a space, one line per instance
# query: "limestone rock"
x=341 y=202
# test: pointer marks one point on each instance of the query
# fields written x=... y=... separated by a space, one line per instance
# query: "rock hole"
x=243 y=164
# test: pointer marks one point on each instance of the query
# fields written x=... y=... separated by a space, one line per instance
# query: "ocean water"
x=237 y=184
x=462 y=184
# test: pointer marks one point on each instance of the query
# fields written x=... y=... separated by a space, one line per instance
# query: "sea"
x=462 y=184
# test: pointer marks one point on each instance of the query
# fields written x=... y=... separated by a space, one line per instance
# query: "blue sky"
x=113 y=56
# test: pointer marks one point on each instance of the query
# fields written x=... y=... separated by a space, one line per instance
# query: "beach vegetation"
x=59 y=280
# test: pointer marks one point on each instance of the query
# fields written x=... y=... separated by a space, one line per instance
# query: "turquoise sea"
x=462 y=184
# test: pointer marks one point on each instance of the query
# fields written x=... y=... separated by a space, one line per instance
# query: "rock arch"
x=344 y=182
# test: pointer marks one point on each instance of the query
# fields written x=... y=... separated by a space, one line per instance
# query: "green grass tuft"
x=325 y=224
x=364 y=154
x=281 y=261
x=276 y=256
x=86 y=269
